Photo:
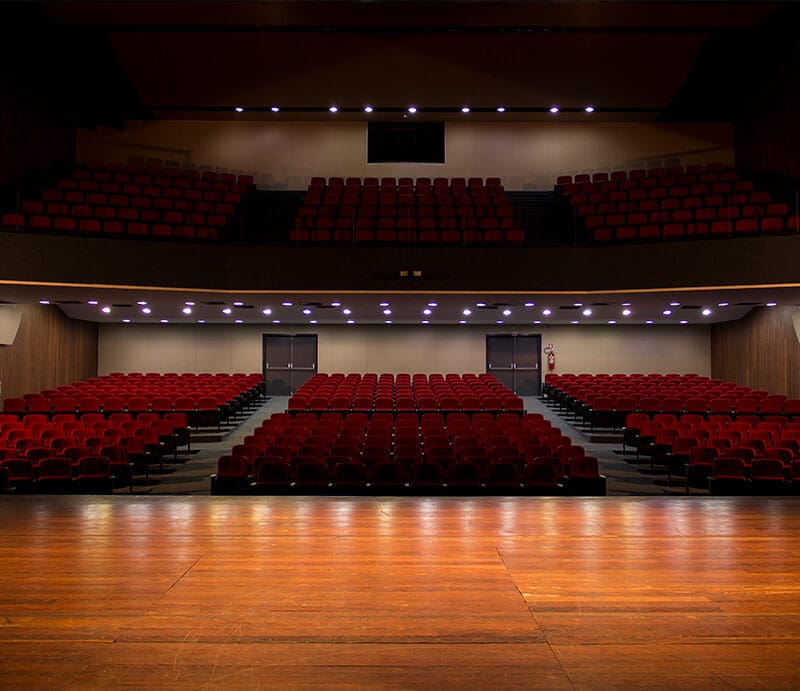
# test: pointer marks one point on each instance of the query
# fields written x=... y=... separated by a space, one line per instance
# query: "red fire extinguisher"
x=551 y=356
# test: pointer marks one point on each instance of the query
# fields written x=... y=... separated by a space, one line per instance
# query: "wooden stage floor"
x=337 y=592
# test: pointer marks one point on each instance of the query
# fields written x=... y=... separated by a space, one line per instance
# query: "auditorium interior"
x=400 y=344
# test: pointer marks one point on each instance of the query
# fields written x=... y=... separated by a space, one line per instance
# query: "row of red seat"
x=695 y=172
x=456 y=185
x=95 y=226
x=99 y=171
x=346 y=452
x=87 y=474
x=424 y=230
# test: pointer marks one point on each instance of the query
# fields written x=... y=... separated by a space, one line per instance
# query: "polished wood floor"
x=208 y=592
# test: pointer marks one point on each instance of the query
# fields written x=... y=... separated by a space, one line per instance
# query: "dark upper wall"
x=49 y=350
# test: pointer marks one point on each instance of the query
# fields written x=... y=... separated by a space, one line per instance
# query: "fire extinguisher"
x=551 y=356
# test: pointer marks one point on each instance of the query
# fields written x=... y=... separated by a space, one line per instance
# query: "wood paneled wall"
x=761 y=350
x=50 y=350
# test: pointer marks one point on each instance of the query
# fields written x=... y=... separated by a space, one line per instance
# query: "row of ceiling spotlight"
x=554 y=109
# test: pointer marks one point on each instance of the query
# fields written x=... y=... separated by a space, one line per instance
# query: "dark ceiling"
x=632 y=60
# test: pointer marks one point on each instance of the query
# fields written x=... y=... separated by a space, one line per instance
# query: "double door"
x=515 y=359
x=289 y=361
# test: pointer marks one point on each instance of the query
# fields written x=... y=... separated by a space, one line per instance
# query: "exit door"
x=288 y=362
x=515 y=360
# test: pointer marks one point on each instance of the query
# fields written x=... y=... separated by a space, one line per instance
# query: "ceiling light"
x=388 y=321
x=286 y=304
x=239 y=109
x=226 y=310
x=266 y=311
x=368 y=109
x=306 y=311
x=589 y=109
x=506 y=312
x=187 y=310
x=165 y=321
x=674 y=304
x=501 y=109
x=91 y=302
x=666 y=313
x=336 y=304
x=142 y=302
x=383 y=304
x=276 y=321
x=347 y=311
x=547 y=311
x=578 y=304
x=387 y=311
x=554 y=109
x=426 y=311
x=44 y=302
x=412 y=109
x=275 y=109
x=626 y=304
x=612 y=321
x=683 y=321
x=238 y=303
x=146 y=310
x=126 y=321
x=105 y=309
x=201 y=321
x=530 y=304
x=465 y=109
x=706 y=312
x=574 y=321
x=466 y=312
x=351 y=321
x=238 y=321
x=537 y=321
x=587 y=312
x=425 y=321
x=189 y=303
x=334 y=109
x=722 y=304
x=433 y=304
x=648 y=321
x=499 y=321
x=480 y=304
x=313 y=321
x=771 y=304
x=627 y=312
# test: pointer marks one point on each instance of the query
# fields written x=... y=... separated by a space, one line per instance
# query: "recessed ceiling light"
x=105 y=309
x=306 y=311
x=462 y=321
x=578 y=304
x=44 y=302
x=466 y=312
x=266 y=311
x=480 y=304
x=537 y=321
x=426 y=311
x=146 y=310
x=142 y=302
x=286 y=304
x=626 y=304
x=589 y=109
x=771 y=304
x=674 y=304
x=334 y=109
x=648 y=321
x=201 y=321
x=412 y=109
x=189 y=303
x=126 y=321
x=239 y=109
x=506 y=312
x=547 y=311
x=336 y=304
x=383 y=304
x=574 y=321
x=313 y=321
x=433 y=304
x=238 y=303
x=187 y=310
x=499 y=321
x=91 y=302
x=351 y=321
x=501 y=109
x=627 y=312
x=238 y=321
x=226 y=310
x=388 y=321
x=275 y=109
x=683 y=321
x=612 y=321
x=165 y=321
x=587 y=312
x=706 y=312
x=276 y=321
x=425 y=321
x=666 y=313
x=347 y=311
x=530 y=304
x=554 y=109
x=722 y=304
x=387 y=311
x=465 y=109
x=368 y=109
